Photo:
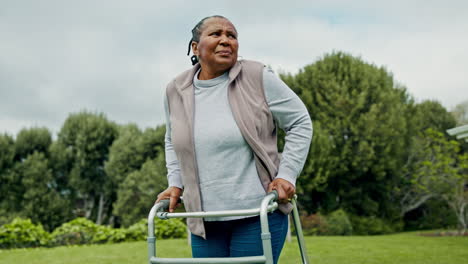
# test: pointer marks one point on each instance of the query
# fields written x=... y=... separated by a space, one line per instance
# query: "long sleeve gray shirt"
x=226 y=165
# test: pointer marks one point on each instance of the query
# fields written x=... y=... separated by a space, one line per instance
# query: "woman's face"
x=217 y=48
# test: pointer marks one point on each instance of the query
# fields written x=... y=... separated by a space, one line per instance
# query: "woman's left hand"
x=284 y=188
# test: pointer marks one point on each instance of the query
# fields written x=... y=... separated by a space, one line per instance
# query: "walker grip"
x=275 y=192
x=164 y=205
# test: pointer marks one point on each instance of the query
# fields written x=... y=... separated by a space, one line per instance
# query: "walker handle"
x=274 y=192
x=164 y=205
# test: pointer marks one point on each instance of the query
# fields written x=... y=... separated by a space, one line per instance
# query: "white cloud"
x=58 y=57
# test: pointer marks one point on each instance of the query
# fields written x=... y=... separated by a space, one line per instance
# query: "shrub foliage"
x=24 y=233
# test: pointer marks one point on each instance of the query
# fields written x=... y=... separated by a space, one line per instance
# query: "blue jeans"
x=240 y=238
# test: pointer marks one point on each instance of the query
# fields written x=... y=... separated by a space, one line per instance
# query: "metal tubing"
x=253 y=259
x=457 y=130
x=267 y=205
x=162 y=205
x=266 y=235
x=300 y=235
x=255 y=211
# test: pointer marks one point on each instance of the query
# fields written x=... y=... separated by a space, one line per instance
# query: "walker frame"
x=267 y=205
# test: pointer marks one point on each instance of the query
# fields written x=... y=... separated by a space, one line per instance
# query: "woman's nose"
x=224 y=40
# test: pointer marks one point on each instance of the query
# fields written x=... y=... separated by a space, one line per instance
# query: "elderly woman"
x=221 y=143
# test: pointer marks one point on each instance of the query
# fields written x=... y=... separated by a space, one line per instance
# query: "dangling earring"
x=194 y=59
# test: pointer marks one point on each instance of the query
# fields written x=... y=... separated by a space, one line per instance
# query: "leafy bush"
x=7 y=217
x=371 y=226
x=433 y=214
x=106 y=234
x=118 y=235
x=314 y=224
x=23 y=233
x=137 y=231
x=76 y=232
x=172 y=228
x=339 y=224
x=83 y=231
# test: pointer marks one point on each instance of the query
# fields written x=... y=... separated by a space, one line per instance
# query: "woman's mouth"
x=224 y=52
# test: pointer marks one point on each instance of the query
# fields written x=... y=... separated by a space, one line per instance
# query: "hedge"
x=23 y=233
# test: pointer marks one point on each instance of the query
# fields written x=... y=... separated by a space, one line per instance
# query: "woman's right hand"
x=171 y=193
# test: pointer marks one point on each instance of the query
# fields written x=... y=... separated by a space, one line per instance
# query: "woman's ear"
x=195 y=48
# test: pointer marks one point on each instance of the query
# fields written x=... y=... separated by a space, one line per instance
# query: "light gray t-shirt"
x=226 y=165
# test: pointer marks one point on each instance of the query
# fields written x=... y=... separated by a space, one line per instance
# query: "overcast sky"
x=116 y=57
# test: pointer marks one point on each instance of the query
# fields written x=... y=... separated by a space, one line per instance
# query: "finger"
x=270 y=187
x=172 y=203
x=288 y=188
x=161 y=196
x=290 y=191
x=281 y=193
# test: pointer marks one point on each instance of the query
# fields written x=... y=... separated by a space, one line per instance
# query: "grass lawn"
x=405 y=248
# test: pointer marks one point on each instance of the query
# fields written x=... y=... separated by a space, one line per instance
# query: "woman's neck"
x=205 y=75
x=208 y=73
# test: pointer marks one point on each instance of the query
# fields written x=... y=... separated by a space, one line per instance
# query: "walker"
x=268 y=204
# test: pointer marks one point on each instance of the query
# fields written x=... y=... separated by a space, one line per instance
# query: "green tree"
x=138 y=192
x=431 y=114
x=87 y=137
x=152 y=142
x=437 y=170
x=7 y=152
x=41 y=201
x=360 y=134
x=10 y=189
x=30 y=140
x=129 y=152
x=61 y=163
x=124 y=156
x=416 y=185
x=455 y=191
x=431 y=156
